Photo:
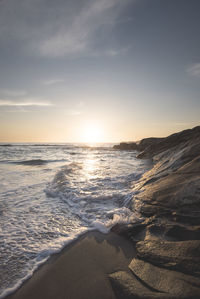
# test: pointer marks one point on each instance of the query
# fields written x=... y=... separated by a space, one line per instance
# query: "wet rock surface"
x=167 y=241
x=182 y=256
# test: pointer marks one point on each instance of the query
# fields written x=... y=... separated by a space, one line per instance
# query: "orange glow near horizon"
x=83 y=130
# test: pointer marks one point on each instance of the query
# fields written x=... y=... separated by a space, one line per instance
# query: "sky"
x=98 y=70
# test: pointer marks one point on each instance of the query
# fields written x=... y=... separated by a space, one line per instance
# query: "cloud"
x=71 y=112
x=7 y=103
x=194 y=70
x=53 y=81
x=79 y=36
x=61 y=28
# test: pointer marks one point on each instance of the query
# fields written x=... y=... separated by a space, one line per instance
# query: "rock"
x=126 y=146
x=129 y=230
x=191 y=217
x=183 y=255
x=157 y=145
x=144 y=155
x=182 y=233
x=168 y=240
x=146 y=143
x=169 y=283
x=172 y=231
x=178 y=191
x=149 y=209
x=151 y=146
x=127 y=286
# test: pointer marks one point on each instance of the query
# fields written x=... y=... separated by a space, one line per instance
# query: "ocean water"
x=50 y=194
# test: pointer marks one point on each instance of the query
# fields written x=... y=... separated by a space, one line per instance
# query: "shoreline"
x=80 y=270
x=156 y=258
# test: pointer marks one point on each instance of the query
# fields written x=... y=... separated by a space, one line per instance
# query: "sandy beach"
x=81 y=270
x=154 y=257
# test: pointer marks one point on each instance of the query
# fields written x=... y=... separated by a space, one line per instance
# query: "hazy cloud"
x=53 y=81
x=194 y=70
x=71 y=112
x=7 y=103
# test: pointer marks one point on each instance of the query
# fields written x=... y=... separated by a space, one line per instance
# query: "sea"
x=50 y=194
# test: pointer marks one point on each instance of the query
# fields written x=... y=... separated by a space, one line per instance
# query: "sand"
x=80 y=271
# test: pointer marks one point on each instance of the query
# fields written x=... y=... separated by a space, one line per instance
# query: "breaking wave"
x=33 y=162
x=44 y=208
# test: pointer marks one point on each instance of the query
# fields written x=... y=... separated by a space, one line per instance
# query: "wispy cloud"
x=77 y=37
x=52 y=81
x=72 y=112
x=64 y=28
x=6 y=103
x=194 y=70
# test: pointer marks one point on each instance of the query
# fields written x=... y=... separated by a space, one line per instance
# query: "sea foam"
x=46 y=207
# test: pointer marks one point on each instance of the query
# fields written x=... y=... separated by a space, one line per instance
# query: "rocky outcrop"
x=167 y=264
x=126 y=146
x=172 y=186
x=154 y=146
x=151 y=146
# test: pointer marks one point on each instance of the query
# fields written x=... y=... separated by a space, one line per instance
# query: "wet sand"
x=80 y=270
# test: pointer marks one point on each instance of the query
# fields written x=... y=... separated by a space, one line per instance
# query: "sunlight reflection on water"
x=43 y=206
x=90 y=166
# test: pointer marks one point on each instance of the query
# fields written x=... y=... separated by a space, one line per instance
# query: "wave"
x=60 y=177
x=7 y=145
x=96 y=208
x=96 y=148
x=33 y=162
x=66 y=146
x=51 y=145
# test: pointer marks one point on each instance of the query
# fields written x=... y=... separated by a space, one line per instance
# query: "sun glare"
x=92 y=133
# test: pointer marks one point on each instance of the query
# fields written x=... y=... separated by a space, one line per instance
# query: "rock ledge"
x=167 y=242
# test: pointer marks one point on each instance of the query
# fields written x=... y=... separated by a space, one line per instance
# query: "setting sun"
x=92 y=133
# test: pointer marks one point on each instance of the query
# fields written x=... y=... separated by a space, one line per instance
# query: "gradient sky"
x=129 y=68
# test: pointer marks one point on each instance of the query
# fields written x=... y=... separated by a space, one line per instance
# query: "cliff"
x=168 y=239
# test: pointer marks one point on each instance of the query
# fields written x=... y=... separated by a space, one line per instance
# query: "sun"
x=92 y=133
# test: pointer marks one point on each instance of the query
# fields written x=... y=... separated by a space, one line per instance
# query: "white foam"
x=42 y=257
x=10 y=290
x=43 y=211
x=124 y=216
x=100 y=226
